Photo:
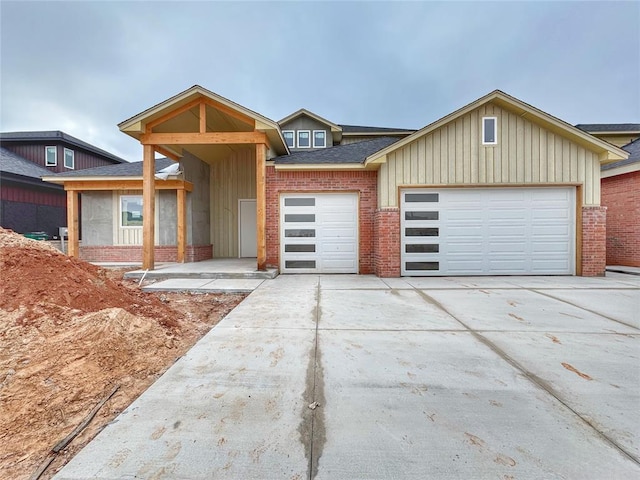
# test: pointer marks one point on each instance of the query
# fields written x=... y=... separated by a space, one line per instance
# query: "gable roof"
x=13 y=163
x=609 y=127
x=632 y=163
x=307 y=113
x=352 y=153
x=134 y=126
x=503 y=100
x=357 y=130
x=57 y=136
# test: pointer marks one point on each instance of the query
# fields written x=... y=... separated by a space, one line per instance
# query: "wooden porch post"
x=73 y=245
x=261 y=201
x=181 y=212
x=148 y=207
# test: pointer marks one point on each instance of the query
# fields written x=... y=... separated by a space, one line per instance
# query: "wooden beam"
x=73 y=245
x=181 y=213
x=91 y=185
x=174 y=113
x=261 y=202
x=207 y=138
x=167 y=153
x=203 y=117
x=148 y=207
x=231 y=112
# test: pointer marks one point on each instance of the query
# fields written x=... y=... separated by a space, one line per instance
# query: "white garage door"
x=319 y=233
x=488 y=231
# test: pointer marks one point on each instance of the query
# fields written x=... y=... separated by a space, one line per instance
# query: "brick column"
x=594 y=241
x=387 y=242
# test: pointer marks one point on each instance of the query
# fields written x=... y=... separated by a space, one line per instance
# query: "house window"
x=131 y=211
x=289 y=138
x=50 y=156
x=489 y=130
x=69 y=159
x=319 y=139
x=304 y=139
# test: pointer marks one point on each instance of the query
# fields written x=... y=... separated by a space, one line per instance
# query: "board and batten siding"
x=131 y=235
x=232 y=179
x=454 y=155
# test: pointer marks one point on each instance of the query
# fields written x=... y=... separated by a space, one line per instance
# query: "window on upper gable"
x=289 y=137
x=489 y=130
x=319 y=139
x=50 y=156
x=69 y=159
x=304 y=139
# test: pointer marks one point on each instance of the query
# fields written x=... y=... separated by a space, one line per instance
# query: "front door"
x=247 y=233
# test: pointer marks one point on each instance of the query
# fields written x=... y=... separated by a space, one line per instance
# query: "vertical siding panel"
x=393 y=179
x=478 y=156
x=451 y=152
x=535 y=153
x=557 y=158
x=566 y=161
x=415 y=161
x=460 y=160
x=511 y=163
x=528 y=156
x=582 y=159
x=422 y=161
x=595 y=175
x=429 y=159
x=383 y=186
x=444 y=157
x=574 y=162
x=470 y=166
x=435 y=153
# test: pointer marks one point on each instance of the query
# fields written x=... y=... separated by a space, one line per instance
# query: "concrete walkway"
x=440 y=378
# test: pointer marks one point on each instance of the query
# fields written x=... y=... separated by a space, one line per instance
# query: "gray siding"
x=97 y=218
x=306 y=123
x=198 y=201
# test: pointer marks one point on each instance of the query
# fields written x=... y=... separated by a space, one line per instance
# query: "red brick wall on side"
x=621 y=196
x=363 y=182
x=133 y=253
x=387 y=243
x=594 y=234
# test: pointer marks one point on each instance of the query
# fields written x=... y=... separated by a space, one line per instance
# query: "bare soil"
x=71 y=331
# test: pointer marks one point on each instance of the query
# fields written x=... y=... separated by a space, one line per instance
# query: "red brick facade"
x=363 y=182
x=387 y=243
x=621 y=196
x=133 y=253
x=594 y=234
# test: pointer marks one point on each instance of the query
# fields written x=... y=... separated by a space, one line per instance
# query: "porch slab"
x=194 y=285
x=230 y=268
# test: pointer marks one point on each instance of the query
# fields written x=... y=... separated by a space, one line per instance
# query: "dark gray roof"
x=365 y=130
x=133 y=169
x=634 y=156
x=341 y=154
x=56 y=135
x=13 y=163
x=609 y=127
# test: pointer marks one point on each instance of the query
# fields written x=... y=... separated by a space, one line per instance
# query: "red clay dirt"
x=71 y=331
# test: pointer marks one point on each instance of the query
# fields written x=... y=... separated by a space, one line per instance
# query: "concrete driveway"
x=440 y=378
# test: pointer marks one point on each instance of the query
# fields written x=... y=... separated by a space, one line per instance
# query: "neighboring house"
x=27 y=203
x=496 y=187
x=619 y=134
x=621 y=195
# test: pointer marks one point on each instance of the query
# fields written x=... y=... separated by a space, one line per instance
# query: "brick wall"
x=133 y=253
x=621 y=196
x=594 y=234
x=387 y=242
x=363 y=182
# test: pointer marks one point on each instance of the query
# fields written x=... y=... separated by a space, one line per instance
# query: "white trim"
x=293 y=133
x=313 y=137
x=73 y=159
x=495 y=130
x=621 y=170
x=298 y=132
x=120 y=198
x=55 y=156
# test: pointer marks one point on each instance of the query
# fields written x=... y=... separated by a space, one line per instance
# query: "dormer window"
x=289 y=137
x=304 y=139
x=489 y=131
x=319 y=139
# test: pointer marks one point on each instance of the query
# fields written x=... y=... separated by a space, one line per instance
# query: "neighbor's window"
x=319 y=139
x=304 y=139
x=131 y=211
x=50 y=156
x=489 y=130
x=69 y=159
x=289 y=138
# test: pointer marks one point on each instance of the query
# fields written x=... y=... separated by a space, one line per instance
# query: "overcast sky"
x=83 y=67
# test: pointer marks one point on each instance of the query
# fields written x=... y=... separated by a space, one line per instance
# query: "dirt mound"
x=69 y=333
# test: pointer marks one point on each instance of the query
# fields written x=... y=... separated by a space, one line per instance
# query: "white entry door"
x=488 y=231
x=319 y=233
x=247 y=232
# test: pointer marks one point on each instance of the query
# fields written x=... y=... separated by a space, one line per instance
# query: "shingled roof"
x=57 y=135
x=609 y=127
x=13 y=163
x=360 y=129
x=133 y=169
x=341 y=154
x=634 y=156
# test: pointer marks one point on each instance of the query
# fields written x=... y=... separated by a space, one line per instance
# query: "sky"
x=84 y=66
